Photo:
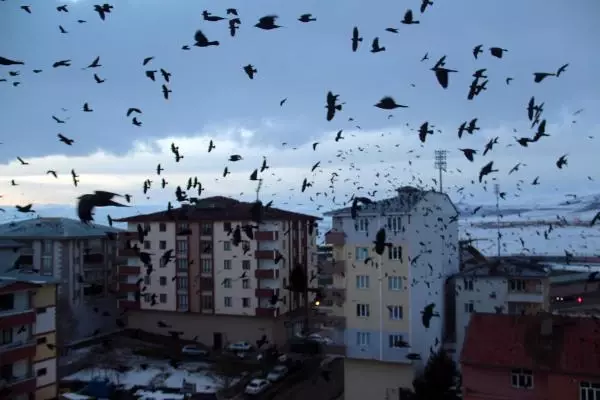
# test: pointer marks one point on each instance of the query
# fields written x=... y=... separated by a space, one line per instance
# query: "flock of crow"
x=333 y=107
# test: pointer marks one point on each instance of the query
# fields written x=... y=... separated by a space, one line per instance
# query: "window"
x=521 y=378
x=41 y=310
x=395 y=253
x=227 y=226
x=246 y=302
x=362 y=281
x=47 y=265
x=41 y=372
x=394 y=223
x=227 y=283
x=207 y=266
x=147 y=280
x=163 y=281
x=182 y=282
x=469 y=307
x=396 y=341
x=41 y=340
x=206 y=228
x=207 y=301
x=182 y=227
x=516 y=285
x=162 y=227
x=227 y=245
x=394 y=283
x=363 y=339
x=7 y=336
x=162 y=245
x=245 y=264
x=7 y=302
x=182 y=264
x=245 y=283
x=395 y=312
x=362 y=310
x=362 y=224
x=589 y=391
x=163 y=298
x=362 y=253
x=228 y=301
x=147 y=245
x=227 y=264
x=147 y=227
x=468 y=285
x=182 y=247
x=47 y=246
x=206 y=246
x=147 y=297
x=182 y=301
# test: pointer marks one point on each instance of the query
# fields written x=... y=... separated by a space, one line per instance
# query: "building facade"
x=530 y=357
x=507 y=286
x=385 y=295
x=82 y=258
x=212 y=289
x=28 y=337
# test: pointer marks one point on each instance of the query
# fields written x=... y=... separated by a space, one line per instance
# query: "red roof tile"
x=515 y=341
x=217 y=208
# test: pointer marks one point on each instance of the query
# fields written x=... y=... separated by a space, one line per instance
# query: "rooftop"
x=217 y=208
x=407 y=199
x=568 y=345
x=8 y=278
x=53 y=228
x=506 y=268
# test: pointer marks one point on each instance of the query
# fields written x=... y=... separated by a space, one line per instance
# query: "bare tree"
x=67 y=323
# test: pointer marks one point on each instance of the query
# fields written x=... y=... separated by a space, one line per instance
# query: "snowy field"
x=157 y=374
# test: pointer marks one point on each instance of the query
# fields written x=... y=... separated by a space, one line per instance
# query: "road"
x=316 y=388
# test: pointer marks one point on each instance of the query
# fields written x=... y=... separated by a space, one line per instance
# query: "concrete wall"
x=46 y=393
x=42 y=351
x=232 y=328
x=365 y=379
x=45 y=321
x=45 y=296
x=50 y=376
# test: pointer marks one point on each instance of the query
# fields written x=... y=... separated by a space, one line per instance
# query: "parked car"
x=257 y=386
x=277 y=373
x=193 y=350
x=239 y=346
x=318 y=338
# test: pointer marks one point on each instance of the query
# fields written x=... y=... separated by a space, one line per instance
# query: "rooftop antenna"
x=441 y=164
x=497 y=193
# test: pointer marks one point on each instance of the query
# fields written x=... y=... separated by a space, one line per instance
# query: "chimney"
x=546 y=326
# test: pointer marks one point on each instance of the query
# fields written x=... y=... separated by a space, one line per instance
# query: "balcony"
x=93 y=258
x=127 y=287
x=10 y=319
x=129 y=304
x=265 y=254
x=338 y=296
x=333 y=267
x=266 y=235
x=267 y=312
x=129 y=270
x=13 y=352
x=329 y=321
x=525 y=297
x=127 y=252
x=264 y=292
x=20 y=385
x=266 y=273
x=335 y=238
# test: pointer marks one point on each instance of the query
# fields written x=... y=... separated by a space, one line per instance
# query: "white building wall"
x=46 y=321
x=49 y=377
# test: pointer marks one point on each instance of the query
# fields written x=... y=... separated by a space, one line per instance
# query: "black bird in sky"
x=356 y=39
x=202 y=40
x=267 y=22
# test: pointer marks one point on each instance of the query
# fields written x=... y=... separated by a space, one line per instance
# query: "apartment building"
x=81 y=257
x=531 y=357
x=28 y=359
x=386 y=294
x=502 y=286
x=212 y=289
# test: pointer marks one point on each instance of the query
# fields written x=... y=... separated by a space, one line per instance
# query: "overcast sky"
x=212 y=98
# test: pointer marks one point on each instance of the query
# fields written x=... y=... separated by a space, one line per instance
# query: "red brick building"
x=541 y=357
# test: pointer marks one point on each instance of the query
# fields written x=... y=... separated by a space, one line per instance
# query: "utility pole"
x=260 y=181
x=441 y=164
x=497 y=193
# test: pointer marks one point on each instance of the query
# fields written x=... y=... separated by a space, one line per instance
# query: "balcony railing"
x=264 y=292
x=13 y=352
x=129 y=270
x=123 y=252
x=19 y=385
x=266 y=235
x=127 y=287
x=338 y=296
x=267 y=312
x=266 y=273
x=265 y=254
x=335 y=238
x=12 y=318
x=129 y=304
x=333 y=267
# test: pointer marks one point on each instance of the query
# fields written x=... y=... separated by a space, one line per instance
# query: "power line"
x=441 y=164
x=497 y=193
